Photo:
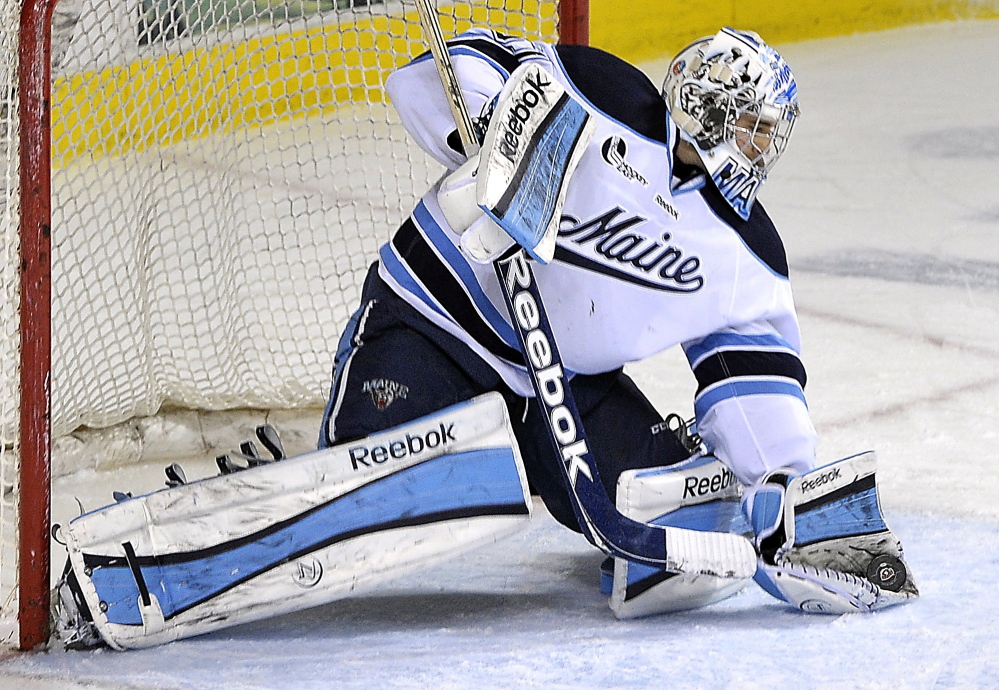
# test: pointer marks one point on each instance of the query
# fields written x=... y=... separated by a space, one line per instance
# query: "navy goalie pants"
x=393 y=366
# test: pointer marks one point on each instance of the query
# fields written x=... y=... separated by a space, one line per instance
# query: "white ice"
x=888 y=203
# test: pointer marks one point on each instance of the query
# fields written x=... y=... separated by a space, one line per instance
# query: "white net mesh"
x=224 y=171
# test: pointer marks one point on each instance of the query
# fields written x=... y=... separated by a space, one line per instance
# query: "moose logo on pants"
x=384 y=391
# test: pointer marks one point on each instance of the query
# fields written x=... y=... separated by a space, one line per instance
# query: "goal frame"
x=35 y=310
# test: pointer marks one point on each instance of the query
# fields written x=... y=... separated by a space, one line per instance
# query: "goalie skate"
x=72 y=625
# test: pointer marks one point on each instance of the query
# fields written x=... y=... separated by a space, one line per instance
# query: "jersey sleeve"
x=750 y=402
x=483 y=61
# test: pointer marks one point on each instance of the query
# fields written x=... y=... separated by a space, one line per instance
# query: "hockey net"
x=222 y=174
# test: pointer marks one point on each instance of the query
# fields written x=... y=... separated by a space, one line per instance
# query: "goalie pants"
x=393 y=366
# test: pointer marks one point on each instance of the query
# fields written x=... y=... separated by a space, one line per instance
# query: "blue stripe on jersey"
x=401 y=274
x=452 y=255
x=732 y=388
x=736 y=341
x=439 y=281
x=454 y=50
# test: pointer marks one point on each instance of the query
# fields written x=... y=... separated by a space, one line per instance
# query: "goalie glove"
x=823 y=543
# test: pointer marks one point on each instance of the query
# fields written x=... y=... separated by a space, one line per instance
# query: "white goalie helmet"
x=734 y=98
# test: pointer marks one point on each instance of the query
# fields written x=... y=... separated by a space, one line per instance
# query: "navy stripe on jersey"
x=493 y=46
x=758 y=232
x=731 y=365
x=456 y=50
x=617 y=89
x=740 y=363
x=496 y=52
x=434 y=274
x=715 y=342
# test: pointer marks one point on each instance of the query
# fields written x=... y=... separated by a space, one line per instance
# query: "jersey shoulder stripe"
x=616 y=88
x=496 y=52
x=454 y=50
x=403 y=276
x=418 y=260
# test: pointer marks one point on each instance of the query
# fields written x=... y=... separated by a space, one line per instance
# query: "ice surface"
x=889 y=208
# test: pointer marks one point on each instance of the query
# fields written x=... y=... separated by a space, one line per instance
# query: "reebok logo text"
x=821 y=480
x=694 y=487
x=544 y=359
x=397 y=449
x=513 y=128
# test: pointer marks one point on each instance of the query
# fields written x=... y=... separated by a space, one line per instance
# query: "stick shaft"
x=449 y=80
x=598 y=517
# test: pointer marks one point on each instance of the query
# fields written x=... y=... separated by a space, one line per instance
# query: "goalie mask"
x=734 y=98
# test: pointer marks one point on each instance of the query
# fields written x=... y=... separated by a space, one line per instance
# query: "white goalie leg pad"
x=824 y=545
x=699 y=494
x=299 y=532
x=536 y=137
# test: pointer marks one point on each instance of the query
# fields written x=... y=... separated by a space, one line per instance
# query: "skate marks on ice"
x=527 y=612
x=900 y=267
x=957 y=142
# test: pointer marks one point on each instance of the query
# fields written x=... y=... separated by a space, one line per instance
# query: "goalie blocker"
x=514 y=188
x=292 y=534
x=823 y=544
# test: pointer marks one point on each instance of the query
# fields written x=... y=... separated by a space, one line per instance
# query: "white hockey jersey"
x=648 y=256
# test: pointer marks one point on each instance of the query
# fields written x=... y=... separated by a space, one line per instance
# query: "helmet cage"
x=762 y=133
x=735 y=98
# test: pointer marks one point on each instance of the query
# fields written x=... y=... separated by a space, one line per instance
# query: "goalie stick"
x=669 y=548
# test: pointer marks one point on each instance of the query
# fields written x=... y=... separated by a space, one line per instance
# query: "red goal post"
x=36 y=111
